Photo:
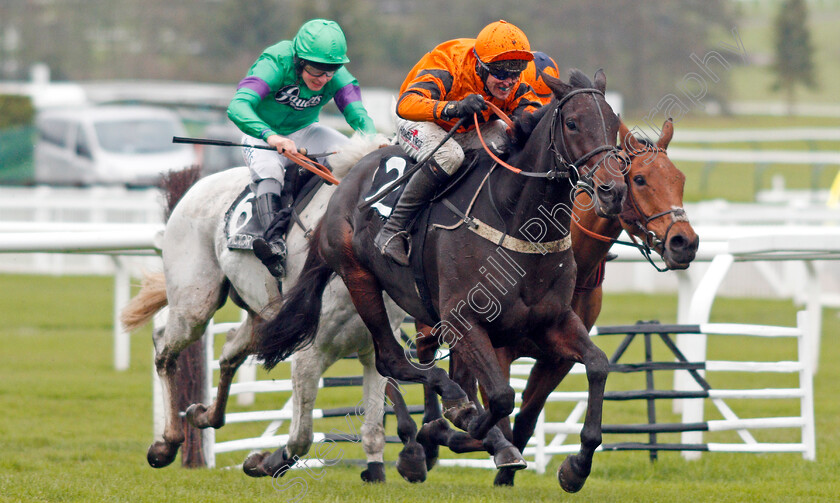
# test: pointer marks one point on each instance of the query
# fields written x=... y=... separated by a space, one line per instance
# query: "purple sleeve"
x=346 y=95
x=255 y=84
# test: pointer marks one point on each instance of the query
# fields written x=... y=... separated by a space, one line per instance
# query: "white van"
x=129 y=145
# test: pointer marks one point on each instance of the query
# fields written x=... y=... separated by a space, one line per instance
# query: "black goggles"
x=504 y=70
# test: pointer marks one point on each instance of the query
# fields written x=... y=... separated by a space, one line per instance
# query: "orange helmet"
x=501 y=41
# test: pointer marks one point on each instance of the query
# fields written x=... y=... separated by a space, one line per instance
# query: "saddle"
x=241 y=223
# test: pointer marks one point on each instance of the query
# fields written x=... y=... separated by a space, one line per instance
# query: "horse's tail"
x=176 y=183
x=149 y=300
x=296 y=323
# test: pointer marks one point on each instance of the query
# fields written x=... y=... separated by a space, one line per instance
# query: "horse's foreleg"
x=233 y=354
x=542 y=380
x=474 y=353
x=576 y=345
x=373 y=433
x=475 y=357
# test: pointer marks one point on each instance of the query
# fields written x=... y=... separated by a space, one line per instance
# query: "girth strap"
x=509 y=242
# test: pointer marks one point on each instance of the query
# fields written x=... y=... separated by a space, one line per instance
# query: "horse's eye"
x=639 y=180
x=571 y=125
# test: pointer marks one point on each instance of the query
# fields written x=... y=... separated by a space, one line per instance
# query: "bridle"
x=642 y=221
x=563 y=168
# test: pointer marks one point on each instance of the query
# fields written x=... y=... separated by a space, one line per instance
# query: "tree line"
x=643 y=45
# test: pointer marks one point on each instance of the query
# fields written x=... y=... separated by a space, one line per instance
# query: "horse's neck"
x=521 y=199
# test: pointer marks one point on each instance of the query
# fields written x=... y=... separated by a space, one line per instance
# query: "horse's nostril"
x=678 y=242
x=607 y=192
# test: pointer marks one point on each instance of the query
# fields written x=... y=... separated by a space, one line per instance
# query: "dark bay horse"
x=524 y=254
x=652 y=213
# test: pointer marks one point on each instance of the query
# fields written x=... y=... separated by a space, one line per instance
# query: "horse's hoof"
x=278 y=462
x=162 y=454
x=375 y=473
x=196 y=415
x=462 y=415
x=571 y=477
x=411 y=463
x=509 y=457
x=504 y=477
x=252 y=466
x=428 y=438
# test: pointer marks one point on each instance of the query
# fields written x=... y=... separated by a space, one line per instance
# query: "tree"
x=794 y=64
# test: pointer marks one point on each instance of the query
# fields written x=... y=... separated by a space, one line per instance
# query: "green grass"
x=73 y=429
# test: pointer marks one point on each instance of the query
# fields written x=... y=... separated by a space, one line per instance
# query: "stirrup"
x=406 y=238
x=267 y=253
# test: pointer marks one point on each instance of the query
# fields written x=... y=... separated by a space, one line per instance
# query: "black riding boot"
x=392 y=240
x=270 y=249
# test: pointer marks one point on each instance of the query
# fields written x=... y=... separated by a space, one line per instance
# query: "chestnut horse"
x=528 y=243
x=652 y=213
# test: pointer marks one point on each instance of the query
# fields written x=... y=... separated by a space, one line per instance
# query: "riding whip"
x=223 y=143
x=301 y=157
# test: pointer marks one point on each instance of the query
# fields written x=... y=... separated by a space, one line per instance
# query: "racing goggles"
x=504 y=70
x=315 y=74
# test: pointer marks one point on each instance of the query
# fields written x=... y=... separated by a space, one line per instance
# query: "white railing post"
x=208 y=435
x=247 y=373
x=539 y=453
x=693 y=347
x=813 y=308
x=806 y=383
x=122 y=293
x=685 y=288
x=158 y=408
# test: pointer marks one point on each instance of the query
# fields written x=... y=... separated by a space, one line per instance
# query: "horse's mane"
x=350 y=154
x=524 y=125
x=176 y=183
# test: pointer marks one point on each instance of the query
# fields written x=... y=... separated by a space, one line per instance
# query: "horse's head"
x=653 y=210
x=584 y=130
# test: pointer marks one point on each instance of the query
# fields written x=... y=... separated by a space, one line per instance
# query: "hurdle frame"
x=550 y=438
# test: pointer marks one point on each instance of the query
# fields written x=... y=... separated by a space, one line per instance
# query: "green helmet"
x=321 y=41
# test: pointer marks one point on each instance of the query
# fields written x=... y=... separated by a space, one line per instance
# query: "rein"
x=313 y=166
x=562 y=168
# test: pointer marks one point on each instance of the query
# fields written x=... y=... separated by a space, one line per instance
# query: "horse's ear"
x=667 y=134
x=628 y=141
x=557 y=86
x=601 y=80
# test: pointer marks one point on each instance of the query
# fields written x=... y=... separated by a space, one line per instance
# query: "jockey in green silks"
x=277 y=104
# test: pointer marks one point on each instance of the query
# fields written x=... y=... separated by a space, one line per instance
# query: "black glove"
x=473 y=103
